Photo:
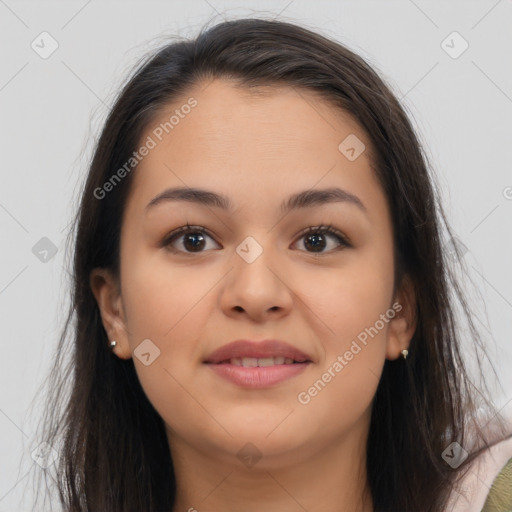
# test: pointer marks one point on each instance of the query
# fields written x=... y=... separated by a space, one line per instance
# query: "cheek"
x=161 y=298
x=167 y=306
x=354 y=304
x=341 y=399
x=348 y=299
x=356 y=309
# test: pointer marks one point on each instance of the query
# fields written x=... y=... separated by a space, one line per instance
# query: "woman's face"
x=255 y=275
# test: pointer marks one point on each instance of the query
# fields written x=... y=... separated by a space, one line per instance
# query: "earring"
x=112 y=345
x=405 y=352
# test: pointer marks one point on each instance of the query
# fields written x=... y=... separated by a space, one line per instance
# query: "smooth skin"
x=258 y=147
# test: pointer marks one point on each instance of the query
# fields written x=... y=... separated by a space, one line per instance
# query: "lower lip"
x=260 y=376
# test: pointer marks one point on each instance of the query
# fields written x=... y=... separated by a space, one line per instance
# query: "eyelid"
x=325 y=229
x=182 y=230
x=328 y=229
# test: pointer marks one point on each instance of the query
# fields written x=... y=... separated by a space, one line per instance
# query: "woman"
x=262 y=293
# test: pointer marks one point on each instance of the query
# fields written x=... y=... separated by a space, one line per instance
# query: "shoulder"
x=487 y=485
x=500 y=496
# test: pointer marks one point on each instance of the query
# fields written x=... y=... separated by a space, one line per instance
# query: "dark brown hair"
x=114 y=454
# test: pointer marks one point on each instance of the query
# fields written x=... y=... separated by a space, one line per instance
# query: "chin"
x=271 y=438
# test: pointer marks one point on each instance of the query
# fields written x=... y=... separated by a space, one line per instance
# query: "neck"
x=331 y=478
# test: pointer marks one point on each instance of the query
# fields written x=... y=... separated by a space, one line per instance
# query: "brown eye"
x=317 y=239
x=192 y=239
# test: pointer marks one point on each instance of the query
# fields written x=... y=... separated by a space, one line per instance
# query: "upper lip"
x=257 y=349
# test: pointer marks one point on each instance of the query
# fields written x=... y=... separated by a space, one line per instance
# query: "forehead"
x=245 y=142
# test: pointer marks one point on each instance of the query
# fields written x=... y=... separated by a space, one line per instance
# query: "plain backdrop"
x=457 y=89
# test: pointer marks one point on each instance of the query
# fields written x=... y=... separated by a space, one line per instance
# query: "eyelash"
x=323 y=229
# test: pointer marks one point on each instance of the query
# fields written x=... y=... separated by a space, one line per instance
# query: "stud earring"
x=405 y=352
x=112 y=345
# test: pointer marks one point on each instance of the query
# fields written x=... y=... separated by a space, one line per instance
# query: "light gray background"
x=52 y=109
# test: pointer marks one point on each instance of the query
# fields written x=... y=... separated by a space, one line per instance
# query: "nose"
x=257 y=286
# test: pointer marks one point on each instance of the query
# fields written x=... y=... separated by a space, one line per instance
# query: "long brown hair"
x=114 y=454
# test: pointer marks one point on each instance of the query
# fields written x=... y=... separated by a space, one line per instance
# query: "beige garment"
x=499 y=498
x=478 y=481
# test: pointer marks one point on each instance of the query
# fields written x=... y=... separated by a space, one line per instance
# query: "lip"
x=260 y=376
x=265 y=348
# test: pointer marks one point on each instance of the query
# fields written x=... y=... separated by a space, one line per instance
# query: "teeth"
x=252 y=362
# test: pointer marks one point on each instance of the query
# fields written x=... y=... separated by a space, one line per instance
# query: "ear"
x=403 y=325
x=106 y=290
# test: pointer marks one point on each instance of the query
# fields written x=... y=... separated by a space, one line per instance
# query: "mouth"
x=261 y=362
x=257 y=365
x=257 y=353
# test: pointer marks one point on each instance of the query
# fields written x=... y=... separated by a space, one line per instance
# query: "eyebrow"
x=305 y=199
